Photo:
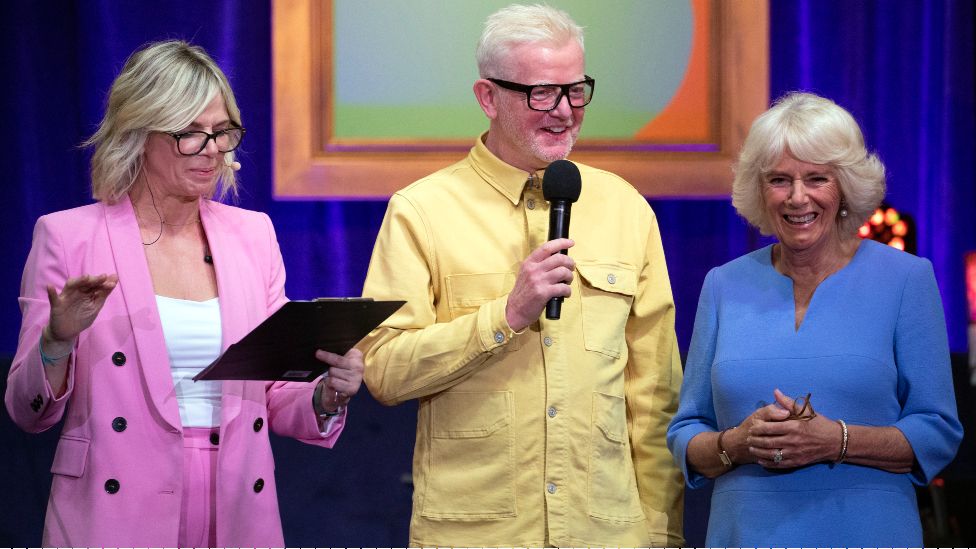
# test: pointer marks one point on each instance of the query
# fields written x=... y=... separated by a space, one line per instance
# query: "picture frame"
x=311 y=162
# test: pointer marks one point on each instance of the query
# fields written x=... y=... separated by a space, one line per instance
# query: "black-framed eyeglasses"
x=545 y=97
x=193 y=142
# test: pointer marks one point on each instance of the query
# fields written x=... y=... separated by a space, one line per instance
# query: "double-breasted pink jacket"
x=118 y=468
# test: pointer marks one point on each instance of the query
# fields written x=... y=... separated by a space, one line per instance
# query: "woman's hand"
x=736 y=441
x=75 y=308
x=72 y=311
x=799 y=441
x=343 y=380
x=703 y=449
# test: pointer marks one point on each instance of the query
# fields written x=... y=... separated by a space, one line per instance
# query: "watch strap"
x=722 y=454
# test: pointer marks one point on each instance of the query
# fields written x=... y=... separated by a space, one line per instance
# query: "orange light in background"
x=971 y=287
x=900 y=228
x=891 y=216
x=889 y=226
x=877 y=218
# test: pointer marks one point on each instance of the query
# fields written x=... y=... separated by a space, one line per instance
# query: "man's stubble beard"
x=529 y=143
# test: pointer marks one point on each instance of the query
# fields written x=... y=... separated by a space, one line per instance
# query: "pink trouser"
x=198 y=510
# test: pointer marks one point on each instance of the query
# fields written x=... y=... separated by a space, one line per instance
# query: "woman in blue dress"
x=817 y=389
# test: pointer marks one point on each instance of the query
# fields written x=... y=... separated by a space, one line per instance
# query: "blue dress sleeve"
x=928 y=407
x=696 y=411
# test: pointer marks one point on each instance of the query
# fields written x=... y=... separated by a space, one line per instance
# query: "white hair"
x=520 y=24
x=815 y=130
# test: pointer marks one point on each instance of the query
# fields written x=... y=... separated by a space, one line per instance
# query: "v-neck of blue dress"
x=821 y=288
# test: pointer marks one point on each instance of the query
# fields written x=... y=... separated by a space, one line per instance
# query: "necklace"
x=207 y=257
x=164 y=222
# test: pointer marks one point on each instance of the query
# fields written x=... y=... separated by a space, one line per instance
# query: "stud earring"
x=843 y=213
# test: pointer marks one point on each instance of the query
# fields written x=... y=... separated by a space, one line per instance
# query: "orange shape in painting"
x=685 y=118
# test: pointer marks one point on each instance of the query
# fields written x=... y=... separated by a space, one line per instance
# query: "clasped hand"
x=798 y=439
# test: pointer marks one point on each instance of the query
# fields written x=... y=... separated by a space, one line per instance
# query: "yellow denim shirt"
x=553 y=436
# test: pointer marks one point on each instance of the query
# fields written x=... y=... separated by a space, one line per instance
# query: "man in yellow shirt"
x=531 y=432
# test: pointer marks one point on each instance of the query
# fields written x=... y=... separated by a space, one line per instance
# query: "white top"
x=192 y=330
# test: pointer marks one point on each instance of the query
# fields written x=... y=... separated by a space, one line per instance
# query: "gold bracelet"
x=843 y=442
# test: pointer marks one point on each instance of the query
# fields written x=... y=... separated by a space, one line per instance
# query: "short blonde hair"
x=163 y=87
x=815 y=130
x=519 y=24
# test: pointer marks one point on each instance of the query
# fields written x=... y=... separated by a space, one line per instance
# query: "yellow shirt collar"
x=505 y=178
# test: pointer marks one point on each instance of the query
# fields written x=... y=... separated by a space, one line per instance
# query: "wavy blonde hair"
x=163 y=87
x=818 y=131
x=519 y=24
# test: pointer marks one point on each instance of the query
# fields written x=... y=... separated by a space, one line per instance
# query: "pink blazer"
x=122 y=487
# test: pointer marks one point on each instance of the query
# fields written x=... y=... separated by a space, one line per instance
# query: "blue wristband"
x=45 y=359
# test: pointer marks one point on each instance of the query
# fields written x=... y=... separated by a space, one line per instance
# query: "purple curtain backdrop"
x=904 y=69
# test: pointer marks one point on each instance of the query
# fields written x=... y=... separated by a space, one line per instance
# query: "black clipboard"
x=282 y=348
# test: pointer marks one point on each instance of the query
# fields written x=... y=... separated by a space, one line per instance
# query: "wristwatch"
x=722 y=454
x=324 y=415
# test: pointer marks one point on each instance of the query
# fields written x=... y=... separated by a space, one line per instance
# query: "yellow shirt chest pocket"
x=606 y=296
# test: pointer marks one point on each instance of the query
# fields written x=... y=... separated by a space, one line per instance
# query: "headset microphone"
x=235 y=165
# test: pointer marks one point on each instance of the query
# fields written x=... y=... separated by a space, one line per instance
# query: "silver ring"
x=778 y=456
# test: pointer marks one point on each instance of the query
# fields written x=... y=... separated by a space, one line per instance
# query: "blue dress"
x=872 y=350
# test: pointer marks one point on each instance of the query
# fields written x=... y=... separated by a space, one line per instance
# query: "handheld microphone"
x=561 y=185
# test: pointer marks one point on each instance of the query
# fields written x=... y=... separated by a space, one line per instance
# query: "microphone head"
x=233 y=165
x=561 y=181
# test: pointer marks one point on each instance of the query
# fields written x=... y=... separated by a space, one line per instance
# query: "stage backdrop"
x=364 y=105
x=904 y=69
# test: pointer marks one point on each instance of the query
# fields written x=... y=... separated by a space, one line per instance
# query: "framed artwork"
x=371 y=95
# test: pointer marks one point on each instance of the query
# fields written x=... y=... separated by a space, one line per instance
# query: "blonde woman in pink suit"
x=124 y=300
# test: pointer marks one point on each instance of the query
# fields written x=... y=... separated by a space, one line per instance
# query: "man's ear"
x=484 y=92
